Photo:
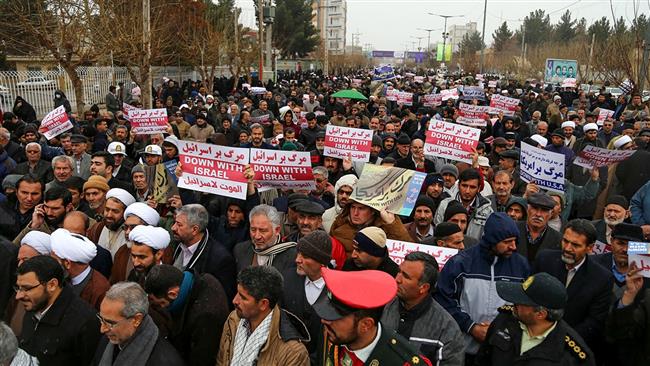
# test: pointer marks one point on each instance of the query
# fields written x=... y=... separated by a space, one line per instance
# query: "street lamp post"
x=483 y=37
x=444 y=32
x=428 y=39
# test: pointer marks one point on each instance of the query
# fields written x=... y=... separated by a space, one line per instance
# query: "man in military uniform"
x=532 y=331
x=350 y=317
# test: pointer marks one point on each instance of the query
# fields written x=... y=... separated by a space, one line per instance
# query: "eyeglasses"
x=110 y=324
x=126 y=227
x=26 y=289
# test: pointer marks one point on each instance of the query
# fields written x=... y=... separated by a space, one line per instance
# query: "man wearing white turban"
x=32 y=244
x=147 y=249
x=74 y=252
x=137 y=213
x=109 y=232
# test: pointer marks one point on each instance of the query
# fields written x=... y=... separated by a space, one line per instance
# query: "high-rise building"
x=457 y=32
x=329 y=17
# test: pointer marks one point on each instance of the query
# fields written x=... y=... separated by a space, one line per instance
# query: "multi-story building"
x=329 y=17
x=457 y=32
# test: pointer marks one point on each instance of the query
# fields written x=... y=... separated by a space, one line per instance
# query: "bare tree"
x=60 y=29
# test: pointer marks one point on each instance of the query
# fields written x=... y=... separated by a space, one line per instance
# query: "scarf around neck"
x=137 y=350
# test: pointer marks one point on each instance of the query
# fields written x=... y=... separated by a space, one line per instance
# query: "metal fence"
x=37 y=87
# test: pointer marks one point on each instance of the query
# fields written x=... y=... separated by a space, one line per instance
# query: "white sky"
x=393 y=25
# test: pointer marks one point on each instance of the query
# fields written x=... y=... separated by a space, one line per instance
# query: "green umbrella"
x=350 y=94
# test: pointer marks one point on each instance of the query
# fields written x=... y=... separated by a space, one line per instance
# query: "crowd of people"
x=95 y=270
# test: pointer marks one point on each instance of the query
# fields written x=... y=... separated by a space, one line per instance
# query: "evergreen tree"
x=564 y=30
x=471 y=43
x=601 y=29
x=293 y=33
x=538 y=28
x=501 y=36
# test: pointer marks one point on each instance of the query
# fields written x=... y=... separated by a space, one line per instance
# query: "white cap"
x=172 y=139
x=116 y=147
x=144 y=212
x=483 y=161
x=209 y=96
x=121 y=195
x=153 y=150
x=622 y=141
x=590 y=127
x=540 y=139
x=568 y=124
x=184 y=106
x=73 y=247
x=151 y=236
x=557 y=97
x=38 y=240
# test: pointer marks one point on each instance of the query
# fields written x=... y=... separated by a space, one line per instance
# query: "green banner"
x=447 y=52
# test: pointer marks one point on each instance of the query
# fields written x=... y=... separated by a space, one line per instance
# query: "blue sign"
x=557 y=70
x=473 y=92
x=413 y=193
x=383 y=73
x=387 y=54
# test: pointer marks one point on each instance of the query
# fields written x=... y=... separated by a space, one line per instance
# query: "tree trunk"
x=77 y=85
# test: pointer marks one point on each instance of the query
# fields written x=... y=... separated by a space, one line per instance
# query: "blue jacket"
x=466 y=287
x=640 y=206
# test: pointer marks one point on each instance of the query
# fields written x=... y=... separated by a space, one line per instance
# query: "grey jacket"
x=435 y=334
x=476 y=220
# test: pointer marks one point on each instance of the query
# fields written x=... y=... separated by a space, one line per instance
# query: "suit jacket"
x=407 y=163
x=43 y=170
x=84 y=167
x=551 y=240
x=589 y=293
x=284 y=261
x=601 y=230
x=116 y=183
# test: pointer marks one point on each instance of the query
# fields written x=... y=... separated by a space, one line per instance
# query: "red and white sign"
x=264 y=119
x=392 y=94
x=603 y=115
x=449 y=94
x=451 y=141
x=397 y=250
x=596 y=157
x=55 y=123
x=642 y=262
x=418 y=79
x=213 y=169
x=569 y=83
x=480 y=77
x=126 y=110
x=282 y=169
x=601 y=248
x=432 y=100
x=341 y=142
x=404 y=98
x=506 y=105
x=148 y=121
x=492 y=84
x=473 y=115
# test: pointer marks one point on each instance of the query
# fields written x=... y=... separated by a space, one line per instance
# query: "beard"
x=568 y=258
x=613 y=222
x=54 y=222
x=113 y=226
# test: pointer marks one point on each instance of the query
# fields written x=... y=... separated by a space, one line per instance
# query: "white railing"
x=37 y=87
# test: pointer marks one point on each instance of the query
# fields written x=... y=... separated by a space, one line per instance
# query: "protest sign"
x=504 y=104
x=356 y=82
x=55 y=123
x=542 y=167
x=418 y=79
x=213 y=169
x=569 y=83
x=492 y=84
x=473 y=92
x=393 y=189
x=480 y=77
x=282 y=169
x=264 y=119
x=636 y=247
x=405 y=98
x=451 y=141
x=603 y=115
x=171 y=165
x=557 y=70
x=449 y=94
x=472 y=115
x=256 y=90
x=596 y=157
x=126 y=110
x=432 y=100
x=341 y=142
x=161 y=183
x=392 y=94
x=642 y=262
x=383 y=73
x=601 y=248
x=397 y=250
x=148 y=121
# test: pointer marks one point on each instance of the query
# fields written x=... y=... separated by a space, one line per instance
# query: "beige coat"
x=275 y=352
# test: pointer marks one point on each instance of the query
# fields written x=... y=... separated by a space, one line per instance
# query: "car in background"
x=36 y=83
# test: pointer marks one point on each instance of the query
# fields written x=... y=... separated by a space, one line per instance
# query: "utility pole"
x=483 y=38
x=428 y=40
x=237 y=58
x=326 y=66
x=523 y=43
x=591 y=54
x=419 y=42
x=260 y=39
x=444 y=32
x=644 y=65
x=146 y=40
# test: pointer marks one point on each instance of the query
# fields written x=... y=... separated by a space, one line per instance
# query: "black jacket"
x=502 y=346
x=601 y=230
x=213 y=258
x=387 y=265
x=67 y=334
x=15 y=151
x=283 y=261
x=407 y=163
x=551 y=239
x=196 y=329
x=8 y=264
x=590 y=293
